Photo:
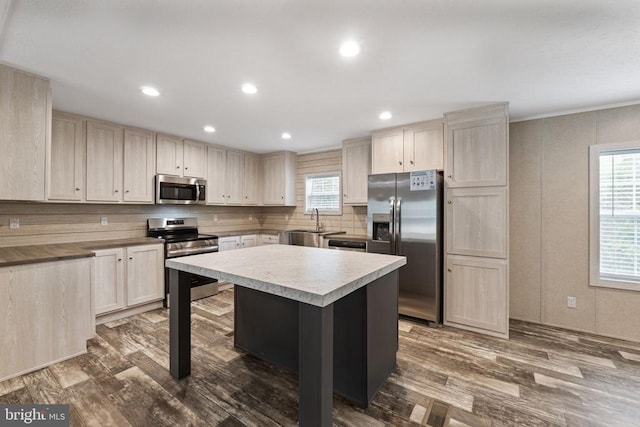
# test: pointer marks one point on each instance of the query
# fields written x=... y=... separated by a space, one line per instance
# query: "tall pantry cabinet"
x=476 y=285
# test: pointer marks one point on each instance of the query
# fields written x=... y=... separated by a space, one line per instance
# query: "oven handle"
x=191 y=251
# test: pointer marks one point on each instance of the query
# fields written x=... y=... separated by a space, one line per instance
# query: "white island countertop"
x=311 y=275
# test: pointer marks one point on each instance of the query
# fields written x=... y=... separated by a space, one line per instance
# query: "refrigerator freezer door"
x=380 y=214
x=419 y=239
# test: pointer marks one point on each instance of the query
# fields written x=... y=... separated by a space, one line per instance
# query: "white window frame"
x=594 y=216
x=324 y=211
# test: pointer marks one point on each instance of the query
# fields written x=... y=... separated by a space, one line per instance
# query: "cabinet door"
x=234 y=177
x=248 y=240
x=195 y=159
x=145 y=274
x=477 y=221
x=356 y=166
x=109 y=280
x=169 y=155
x=273 y=179
x=477 y=147
x=216 y=174
x=25 y=105
x=476 y=295
x=387 y=151
x=251 y=181
x=139 y=165
x=67 y=158
x=423 y=146
x=228 y=243
x=104 y=162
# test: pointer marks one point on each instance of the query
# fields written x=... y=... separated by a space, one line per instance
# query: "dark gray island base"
x=347 y=345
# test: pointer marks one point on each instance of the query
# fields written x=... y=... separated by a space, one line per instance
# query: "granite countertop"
x=31 y=254
x=311 y=275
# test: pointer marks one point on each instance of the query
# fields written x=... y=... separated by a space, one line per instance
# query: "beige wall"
x=549 y=223
x=353 y=219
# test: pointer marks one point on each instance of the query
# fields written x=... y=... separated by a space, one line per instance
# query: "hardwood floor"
x=445 y=377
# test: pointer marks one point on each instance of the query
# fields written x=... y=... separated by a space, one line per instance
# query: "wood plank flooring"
x=542 y=376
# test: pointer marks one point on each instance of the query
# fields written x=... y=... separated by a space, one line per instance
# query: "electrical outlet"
x=250 y=218
x=571 y=302
x=215 y=217
x=104 y=220
x=286 y=217
x=14 y=223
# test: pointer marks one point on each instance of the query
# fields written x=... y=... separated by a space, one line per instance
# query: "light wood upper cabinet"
x=424 y=146
x=145 y=274
x=477 y=221
x=356 y=166
x=25 y=129
x=387 y=151
x=279 y=178
x=105 y=144
x=195 y=159
x=477 y=295
x=234 y=177
x=139 y=165
x=477 y=147
x=251 y=187
x=408 y=148
x=169 y=155
x=216 y=175
x=66 y=158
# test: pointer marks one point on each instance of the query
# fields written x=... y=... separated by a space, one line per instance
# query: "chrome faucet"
x=317 y=218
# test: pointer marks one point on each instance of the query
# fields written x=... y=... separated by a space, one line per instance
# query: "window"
x=322 y=192
x=615 y=215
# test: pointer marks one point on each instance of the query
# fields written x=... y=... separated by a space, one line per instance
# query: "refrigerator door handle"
x=397 y=230
x=392 y=226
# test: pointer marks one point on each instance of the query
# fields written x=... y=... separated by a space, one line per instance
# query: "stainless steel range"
x=181 y=238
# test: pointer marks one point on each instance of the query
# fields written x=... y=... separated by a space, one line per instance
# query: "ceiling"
x=418 y=59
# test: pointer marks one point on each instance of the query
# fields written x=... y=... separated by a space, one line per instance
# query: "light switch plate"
x=571 y=302
x=14 y=223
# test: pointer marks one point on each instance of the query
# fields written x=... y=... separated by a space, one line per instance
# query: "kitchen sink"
x=309 y=238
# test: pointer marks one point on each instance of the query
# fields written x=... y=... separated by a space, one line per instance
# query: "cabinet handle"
x=449 y=201
x=127 y=191
x=246 y=197
x=282 y=197
x=411 y=161
x=77 y=189
x=177 y=167
x=400 y=163
x=449 y=270
x=130 y=258
x=119 y=259
x=186 y=167
x=344 y=195
x=115 y=191
x=449 y=176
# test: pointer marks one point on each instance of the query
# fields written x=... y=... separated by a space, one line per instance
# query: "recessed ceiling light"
x=249 y=88
x=286 y=135
x=150 y=91
x=385 y=115
x=209 y=129
x=349 y=48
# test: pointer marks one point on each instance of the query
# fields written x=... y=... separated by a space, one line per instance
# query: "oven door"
x=176 y=190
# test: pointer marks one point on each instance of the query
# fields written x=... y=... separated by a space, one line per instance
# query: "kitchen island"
x=330 y=316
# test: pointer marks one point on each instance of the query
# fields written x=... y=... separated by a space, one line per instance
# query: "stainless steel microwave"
x=175 y=190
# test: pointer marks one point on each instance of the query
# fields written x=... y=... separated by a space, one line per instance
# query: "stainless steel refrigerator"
x=404 y=217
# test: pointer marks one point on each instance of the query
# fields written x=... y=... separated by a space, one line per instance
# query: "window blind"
x=323 y=193
x=620 y=215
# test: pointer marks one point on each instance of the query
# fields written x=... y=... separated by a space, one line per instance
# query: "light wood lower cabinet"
x=127 y=277
x=248 y=240
x=46 y=312
x=228 y=243
x=476 y=296
x=268 y=239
